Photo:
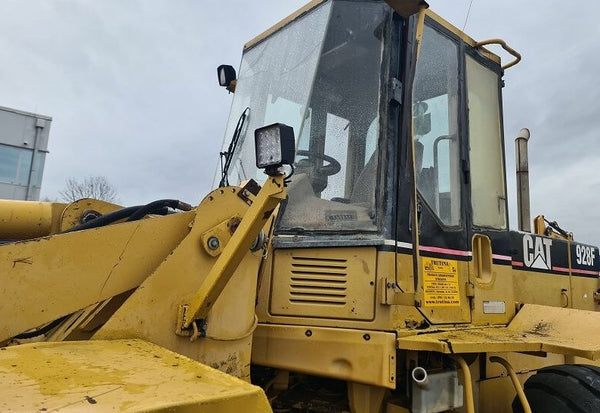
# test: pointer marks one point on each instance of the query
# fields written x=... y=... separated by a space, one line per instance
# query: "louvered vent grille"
x=318 y=281
x=331 y=283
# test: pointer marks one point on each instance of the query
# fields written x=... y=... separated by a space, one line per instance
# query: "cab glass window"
x=435 y=126
x=335 y=177
x=488 y=196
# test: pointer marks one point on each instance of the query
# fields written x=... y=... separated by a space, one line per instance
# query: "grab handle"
x=506 y=47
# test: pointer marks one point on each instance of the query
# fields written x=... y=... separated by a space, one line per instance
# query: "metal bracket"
x=470 y=293
x=249 y=191
x=407 y=8
x=391 y=294
x=470 y=290
x=396 y=90
x=215 y=239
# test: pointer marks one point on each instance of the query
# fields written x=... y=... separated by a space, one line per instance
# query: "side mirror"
x=422 y=124
x=227 y=77
x=421 y=119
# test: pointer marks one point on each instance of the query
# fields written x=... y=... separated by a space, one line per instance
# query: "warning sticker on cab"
x=440 y=282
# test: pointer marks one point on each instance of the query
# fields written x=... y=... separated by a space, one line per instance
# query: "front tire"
x=563 y=389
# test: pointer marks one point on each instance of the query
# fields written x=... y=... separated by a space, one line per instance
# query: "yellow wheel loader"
x=372 y=272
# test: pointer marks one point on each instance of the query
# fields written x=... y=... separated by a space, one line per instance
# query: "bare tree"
x=96 y=187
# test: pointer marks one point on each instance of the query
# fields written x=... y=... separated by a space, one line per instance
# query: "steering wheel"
x=332 y=167
x=317 y=174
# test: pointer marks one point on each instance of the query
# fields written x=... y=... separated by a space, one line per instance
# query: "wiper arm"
x=228 y=156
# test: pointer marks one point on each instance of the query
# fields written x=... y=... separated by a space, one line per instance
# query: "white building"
x=23 y=149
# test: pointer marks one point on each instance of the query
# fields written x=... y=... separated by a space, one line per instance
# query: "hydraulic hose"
x=157 y=205
x=133 y=213
x=107 y=219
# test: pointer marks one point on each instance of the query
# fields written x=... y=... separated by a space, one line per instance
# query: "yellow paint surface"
x=118 y=375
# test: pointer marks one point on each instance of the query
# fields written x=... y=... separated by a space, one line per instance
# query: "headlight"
x=275 y=146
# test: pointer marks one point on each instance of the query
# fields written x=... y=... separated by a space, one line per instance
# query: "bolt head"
x=213 y=243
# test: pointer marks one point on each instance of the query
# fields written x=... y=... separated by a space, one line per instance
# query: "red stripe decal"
x=561 y=269
x=586 y=272
x=445 y=251
x=501 y=257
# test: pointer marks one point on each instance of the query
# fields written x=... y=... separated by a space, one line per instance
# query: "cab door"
x=493 y=250
x=441 y=175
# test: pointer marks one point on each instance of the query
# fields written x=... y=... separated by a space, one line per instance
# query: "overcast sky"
x=131 y=86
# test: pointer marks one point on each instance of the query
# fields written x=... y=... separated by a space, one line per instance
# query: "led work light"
x=275 y=146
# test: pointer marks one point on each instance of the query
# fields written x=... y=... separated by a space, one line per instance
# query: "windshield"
x=321 y=75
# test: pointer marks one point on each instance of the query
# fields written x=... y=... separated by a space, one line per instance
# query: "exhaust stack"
x=420 y=377
x=522 y=164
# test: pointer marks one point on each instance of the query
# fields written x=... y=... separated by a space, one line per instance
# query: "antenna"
x=467 y=18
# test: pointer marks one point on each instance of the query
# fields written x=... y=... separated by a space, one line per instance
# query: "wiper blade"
x=228 y=156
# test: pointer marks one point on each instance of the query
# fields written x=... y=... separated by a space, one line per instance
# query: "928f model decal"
x=585 y=261
x=585 y=255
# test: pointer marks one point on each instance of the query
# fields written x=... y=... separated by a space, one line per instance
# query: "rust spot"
x=233 y=224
